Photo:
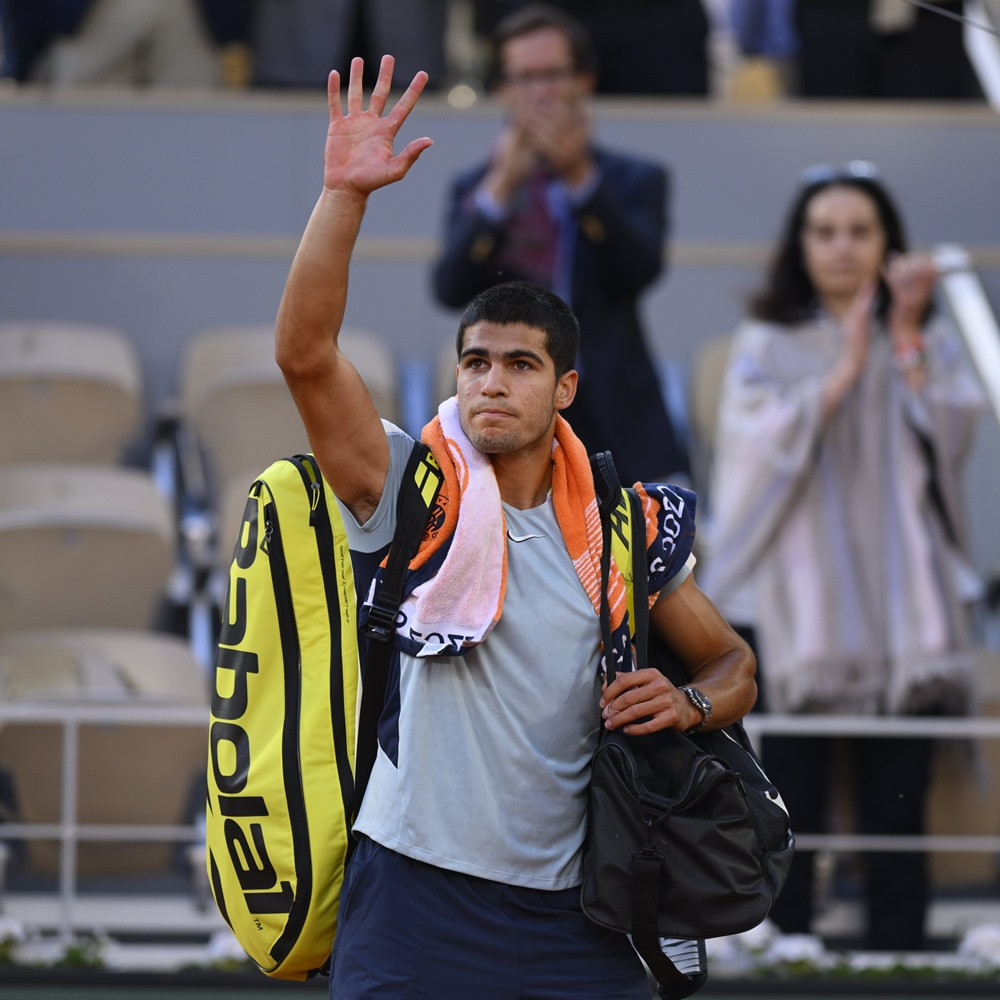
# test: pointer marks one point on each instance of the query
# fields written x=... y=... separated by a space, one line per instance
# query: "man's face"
x=538 y=73
x=508 y=393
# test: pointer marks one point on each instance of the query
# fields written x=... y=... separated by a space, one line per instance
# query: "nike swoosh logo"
x=521 y=538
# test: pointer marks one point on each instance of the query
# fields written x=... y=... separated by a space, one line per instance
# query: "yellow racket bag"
x=282 y=731
x=289 y=751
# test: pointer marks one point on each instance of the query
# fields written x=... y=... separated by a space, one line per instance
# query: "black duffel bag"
x=688 y=838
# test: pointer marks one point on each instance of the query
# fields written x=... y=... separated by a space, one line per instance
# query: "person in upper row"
x=122 y=43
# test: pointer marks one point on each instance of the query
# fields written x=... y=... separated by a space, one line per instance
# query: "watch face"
x=699 y=700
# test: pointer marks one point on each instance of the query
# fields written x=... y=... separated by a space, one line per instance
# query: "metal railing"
x=902 y=727
x=72 y=717
x=68 y=831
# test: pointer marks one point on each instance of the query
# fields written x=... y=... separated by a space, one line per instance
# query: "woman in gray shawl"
x=838 y=532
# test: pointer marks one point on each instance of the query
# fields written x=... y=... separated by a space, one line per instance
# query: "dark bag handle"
x=673 y=984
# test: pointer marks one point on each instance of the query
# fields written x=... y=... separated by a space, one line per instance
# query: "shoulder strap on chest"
x=422 y=480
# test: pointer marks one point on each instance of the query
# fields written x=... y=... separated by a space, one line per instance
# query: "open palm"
x=359 y=152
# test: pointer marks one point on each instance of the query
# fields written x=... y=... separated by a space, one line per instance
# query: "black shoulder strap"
x=659 y=955
x=607 y=485
x=418 y=490
x=640 y=579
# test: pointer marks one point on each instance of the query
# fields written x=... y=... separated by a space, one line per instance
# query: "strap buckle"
x=381 y=624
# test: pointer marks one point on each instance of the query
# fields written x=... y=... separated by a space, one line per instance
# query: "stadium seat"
x=235 y=417
x=68 y=392
x=234 y=398
x=82 y=545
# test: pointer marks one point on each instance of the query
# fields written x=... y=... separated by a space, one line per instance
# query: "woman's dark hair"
x=788 y=295
x=522 y=302
x=538 y=17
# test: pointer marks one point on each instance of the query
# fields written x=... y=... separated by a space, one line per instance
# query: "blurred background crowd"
x=753 y=48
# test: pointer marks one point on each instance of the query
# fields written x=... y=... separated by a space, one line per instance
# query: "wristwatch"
x=701 y=702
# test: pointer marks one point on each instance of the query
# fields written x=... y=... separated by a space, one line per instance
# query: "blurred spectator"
x=297 y=42
x=158 y=43
x=765 y=36
x=764 y=27
x=29 y=28
x=847 y=414
x=550 y=207
x=642 y=46
x=882 y=49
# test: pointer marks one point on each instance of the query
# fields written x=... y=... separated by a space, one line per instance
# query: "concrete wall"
x=166 y=216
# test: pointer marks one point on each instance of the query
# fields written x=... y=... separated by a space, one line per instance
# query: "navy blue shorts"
x=411 y=931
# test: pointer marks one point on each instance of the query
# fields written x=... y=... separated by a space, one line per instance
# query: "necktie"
x=531 y=234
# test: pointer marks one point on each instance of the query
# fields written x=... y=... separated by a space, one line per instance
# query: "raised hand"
x=359 y=155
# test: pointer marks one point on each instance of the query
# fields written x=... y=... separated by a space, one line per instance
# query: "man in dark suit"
x=587 y=223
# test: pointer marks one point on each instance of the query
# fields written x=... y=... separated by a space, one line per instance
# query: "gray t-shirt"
x=494 y=747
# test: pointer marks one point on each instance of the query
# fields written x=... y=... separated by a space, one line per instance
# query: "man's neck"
x=524 y=479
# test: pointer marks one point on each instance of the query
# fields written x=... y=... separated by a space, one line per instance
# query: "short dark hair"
x=537 y=17
x=788 y=295
x=522 y=302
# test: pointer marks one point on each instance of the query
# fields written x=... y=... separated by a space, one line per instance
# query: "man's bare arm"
x=716 y=659
x=343 y=425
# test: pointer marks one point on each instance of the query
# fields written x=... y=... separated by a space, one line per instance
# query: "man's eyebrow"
x=482 y=352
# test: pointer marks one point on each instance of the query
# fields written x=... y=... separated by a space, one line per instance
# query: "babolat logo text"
x=229 y=741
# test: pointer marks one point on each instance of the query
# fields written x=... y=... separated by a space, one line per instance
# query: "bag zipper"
x=660 y=802
x=271 y=544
